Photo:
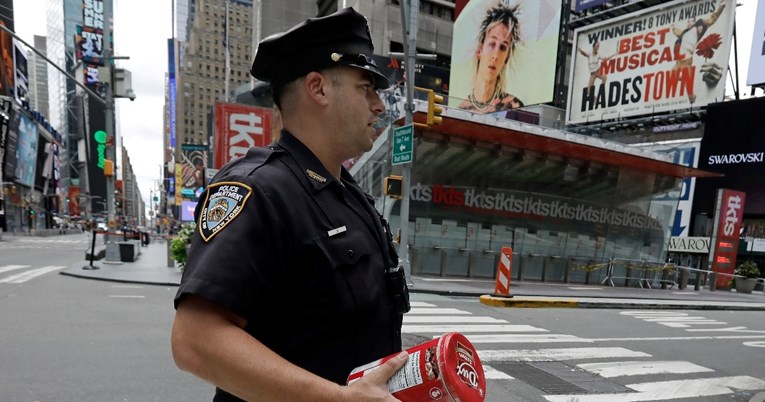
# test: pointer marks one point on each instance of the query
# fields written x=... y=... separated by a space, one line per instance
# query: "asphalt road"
x=70 y=339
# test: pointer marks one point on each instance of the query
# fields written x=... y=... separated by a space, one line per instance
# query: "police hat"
x=339 y=39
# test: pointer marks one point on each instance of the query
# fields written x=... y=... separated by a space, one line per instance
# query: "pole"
x=110 y=151
x=409 y=9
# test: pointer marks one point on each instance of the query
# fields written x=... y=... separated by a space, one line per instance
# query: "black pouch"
x=399 y=292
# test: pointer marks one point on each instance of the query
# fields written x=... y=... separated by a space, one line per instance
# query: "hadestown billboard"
x=668 y=57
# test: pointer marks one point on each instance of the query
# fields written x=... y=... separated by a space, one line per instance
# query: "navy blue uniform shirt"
x=300 y=255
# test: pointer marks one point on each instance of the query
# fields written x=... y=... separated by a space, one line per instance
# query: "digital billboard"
x=21 y=72
x=26 y=151
x=684 y=153
x=89 y=44
x=664 y=58
x=187 y=210
x=7 y=87
x=237 y=129
x=97 y=138
x=756 y=72
x=734 y=145
x=504 y=54
x=193 y=166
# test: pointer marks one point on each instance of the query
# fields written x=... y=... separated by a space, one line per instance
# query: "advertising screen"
x=21 y=71
x=504 y=54
x=26 y=151
x=734 y=145
x=756 y=72
x=237 y=129
x=664 y=58
x=193 y=166
x=6 y=61
x=97 y=138
x=187 y=210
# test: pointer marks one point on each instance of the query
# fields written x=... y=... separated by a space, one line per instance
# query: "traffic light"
x=393 y=186
x=67 y=200
x=434 y=108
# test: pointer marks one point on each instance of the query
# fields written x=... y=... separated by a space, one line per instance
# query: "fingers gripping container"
x=445 y=369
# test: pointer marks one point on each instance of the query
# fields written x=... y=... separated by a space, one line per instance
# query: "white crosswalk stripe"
x=640 y=367
x=31 y=274
x=665 y=390
x=8 y=268
x=487 y=333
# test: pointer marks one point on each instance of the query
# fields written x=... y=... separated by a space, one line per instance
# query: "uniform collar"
x=310 y=166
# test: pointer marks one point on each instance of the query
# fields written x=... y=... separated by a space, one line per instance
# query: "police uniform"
x=301 y=255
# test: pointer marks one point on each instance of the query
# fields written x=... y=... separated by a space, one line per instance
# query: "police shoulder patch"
x=223 y=203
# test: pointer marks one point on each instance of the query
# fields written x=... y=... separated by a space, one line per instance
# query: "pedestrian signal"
x=393 y=186
x=434 y=108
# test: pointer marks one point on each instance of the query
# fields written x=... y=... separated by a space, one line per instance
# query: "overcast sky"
x=141 y=31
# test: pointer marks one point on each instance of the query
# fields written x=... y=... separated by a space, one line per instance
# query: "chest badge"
x=224 y=202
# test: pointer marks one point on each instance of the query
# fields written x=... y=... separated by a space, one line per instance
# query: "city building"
x=589 y=169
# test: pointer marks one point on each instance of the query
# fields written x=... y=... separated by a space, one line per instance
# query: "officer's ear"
x=316 y=85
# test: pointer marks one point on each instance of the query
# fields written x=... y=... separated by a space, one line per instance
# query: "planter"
x=745 y=285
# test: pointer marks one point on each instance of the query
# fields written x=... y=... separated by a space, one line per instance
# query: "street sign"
x=403 y=140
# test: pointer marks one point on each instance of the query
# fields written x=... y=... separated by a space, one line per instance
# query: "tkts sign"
x=729 y=213
x=237 y=129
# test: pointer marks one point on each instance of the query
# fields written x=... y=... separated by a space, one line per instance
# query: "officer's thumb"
x=390 y=367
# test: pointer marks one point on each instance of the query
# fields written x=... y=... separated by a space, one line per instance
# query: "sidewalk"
x=151 y=268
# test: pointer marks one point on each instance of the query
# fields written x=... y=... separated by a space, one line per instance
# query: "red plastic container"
x=445 y=369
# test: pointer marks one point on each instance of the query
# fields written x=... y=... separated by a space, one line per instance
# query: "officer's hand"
x=373 y=386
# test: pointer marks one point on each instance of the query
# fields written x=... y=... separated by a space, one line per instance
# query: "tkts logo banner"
x=663 y=58
x=237 y=128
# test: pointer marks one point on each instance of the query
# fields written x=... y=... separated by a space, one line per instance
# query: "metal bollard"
x=683 y=279
x=712 y=281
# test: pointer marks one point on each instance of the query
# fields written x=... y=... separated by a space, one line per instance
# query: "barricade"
x=504 y=269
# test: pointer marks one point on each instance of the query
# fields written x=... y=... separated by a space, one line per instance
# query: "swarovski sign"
x=752 y=157
x=689 y=245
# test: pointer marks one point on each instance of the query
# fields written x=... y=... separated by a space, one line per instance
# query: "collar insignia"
x=316 y=176
x=224 y=202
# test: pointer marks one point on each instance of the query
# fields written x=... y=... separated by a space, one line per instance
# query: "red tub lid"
x=463 y=372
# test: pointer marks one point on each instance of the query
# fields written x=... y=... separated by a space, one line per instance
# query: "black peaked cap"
x=341 y=38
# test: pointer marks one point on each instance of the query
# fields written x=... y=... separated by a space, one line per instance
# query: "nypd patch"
x=224 y=202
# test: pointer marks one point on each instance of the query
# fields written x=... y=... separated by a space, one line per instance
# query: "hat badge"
x=336 y=56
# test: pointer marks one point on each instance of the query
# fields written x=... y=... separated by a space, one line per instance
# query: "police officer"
x=291 y=280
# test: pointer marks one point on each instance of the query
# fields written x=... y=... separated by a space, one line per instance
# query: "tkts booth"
x=567 y=204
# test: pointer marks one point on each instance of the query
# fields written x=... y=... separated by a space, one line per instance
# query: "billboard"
x=193 y=166
x=684 y=153
x=26 y=151
x=97 y=139
x=664 y=58
x=581 y=5
x=21 y=72
x=756 y=74
x=7 y=87
x=237 y=128
x=734 y=145
x=187 y=210
x=504 y=54
x=89 y=45
x=5 y=125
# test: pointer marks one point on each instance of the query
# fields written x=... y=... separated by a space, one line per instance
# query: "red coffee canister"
x=445 y=369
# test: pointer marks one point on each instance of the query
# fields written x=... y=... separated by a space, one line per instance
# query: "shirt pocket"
x=356 y=277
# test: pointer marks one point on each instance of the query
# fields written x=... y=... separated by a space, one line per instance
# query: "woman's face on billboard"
x=493 y=53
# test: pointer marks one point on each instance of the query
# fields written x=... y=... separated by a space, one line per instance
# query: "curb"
x=525 y=302
x=549 y=302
